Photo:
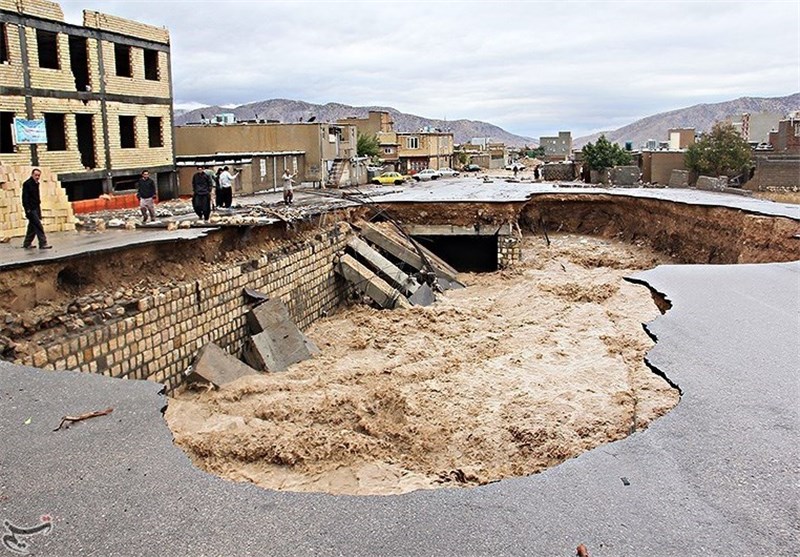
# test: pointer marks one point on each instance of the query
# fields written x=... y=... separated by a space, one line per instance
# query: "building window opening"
x=151 y=65
x=122 y=59
x=79 y=62
x=155 y=137
x=47 y=43
x=412 y=143
x=6 y=140
x=3 y=44
x=127 y=132
x=84 y=127
x=54 y=125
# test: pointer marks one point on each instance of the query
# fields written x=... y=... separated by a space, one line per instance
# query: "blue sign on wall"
x=27 y=132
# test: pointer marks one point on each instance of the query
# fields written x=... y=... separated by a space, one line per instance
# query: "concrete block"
x=368 y=283
x=213 y=365
x=679 y=179
x=708 y=183
x=385 y=267
x=625 y=175
x=276 y=343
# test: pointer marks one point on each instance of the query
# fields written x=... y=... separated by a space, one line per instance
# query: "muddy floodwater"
x=516 y=373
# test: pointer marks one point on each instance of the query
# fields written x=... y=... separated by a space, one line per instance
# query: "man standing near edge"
x=146 y=192
x=32 y=204
x=288 y=192
x=201 y=188
x=226 y=188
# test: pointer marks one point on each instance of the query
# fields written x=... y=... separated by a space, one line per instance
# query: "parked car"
x=425 y=175
x=389 y=178
x=471 y=168
x=447 y=172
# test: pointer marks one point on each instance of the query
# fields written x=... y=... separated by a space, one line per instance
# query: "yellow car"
x=389 y=178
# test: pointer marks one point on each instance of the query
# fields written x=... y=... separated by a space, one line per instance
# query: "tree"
x=367 y=146
x=533 y=153
x=605 y=154
x=721 y=152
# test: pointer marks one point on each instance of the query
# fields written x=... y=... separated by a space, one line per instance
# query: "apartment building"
x=557 y=148
x=91 y=102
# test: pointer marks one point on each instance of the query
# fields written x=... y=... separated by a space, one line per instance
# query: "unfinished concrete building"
x=102 y=91
x=317 y=152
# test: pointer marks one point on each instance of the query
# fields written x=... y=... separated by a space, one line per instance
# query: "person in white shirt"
x=288 y=192
x=226 y=188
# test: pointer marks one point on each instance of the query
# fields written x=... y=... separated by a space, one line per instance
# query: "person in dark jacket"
x=201 y=198
x=146 y=192
x=32 y=204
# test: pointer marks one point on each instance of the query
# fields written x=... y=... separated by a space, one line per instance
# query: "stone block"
x=679 y=179
x=625 y=175
x=276 y=343
x=213 y=365
x=708 y=183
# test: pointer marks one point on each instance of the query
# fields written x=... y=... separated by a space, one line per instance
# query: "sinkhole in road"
x=521 y=370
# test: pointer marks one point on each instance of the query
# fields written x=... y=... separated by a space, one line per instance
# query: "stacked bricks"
x=57 y=213
x=37 y=8
x=106 y=22
x=509 y=251
x=159 y=341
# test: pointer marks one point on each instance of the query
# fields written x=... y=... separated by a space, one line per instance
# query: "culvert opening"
x=472 y=254
x=507 y=377
x=73 y=280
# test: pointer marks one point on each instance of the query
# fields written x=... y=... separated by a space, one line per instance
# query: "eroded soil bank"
x=516 y=373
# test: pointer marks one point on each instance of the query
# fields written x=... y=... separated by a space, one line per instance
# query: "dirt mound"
x=516 y=373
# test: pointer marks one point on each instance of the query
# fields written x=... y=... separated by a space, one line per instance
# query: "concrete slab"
x=369 y=283
x=405 y=251
x=472 y=190
x=71 y=244
x=215 y=366
x=386 y=268
x=716 y=476
x=278 y=335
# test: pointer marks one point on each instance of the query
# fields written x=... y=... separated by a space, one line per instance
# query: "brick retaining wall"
x=160 y=339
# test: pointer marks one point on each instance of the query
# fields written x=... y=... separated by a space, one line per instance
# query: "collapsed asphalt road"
x=716 y=476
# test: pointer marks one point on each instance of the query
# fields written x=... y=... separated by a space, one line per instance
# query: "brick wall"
x=69 y=159
x=160 y=339
x=37 y=8
x=47 y=78
x=11 y=74
x=776 y=172
x=136 y=85
x=143 y=155
x=509 y=251
x=107 y=22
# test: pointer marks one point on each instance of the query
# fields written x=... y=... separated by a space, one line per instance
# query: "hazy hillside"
x=292 y=111
x=701 y=117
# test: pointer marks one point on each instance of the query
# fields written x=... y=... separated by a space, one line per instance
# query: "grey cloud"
x=530 y=67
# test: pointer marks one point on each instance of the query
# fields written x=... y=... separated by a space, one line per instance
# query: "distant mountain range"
x=284 y=110
x=700 y=117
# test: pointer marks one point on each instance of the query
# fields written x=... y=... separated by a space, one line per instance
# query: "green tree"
x=721 y=152
x=534 y=153
x=605 y=154
x=367 y=146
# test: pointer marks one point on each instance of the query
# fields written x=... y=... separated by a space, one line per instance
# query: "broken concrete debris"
x=397 y=277
x=214 y=366
x=368 y=283
x=275 y=342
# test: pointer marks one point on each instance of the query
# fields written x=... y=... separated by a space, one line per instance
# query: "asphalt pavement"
x=718 y=475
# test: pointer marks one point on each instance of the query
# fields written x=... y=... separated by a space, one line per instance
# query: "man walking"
x=32 y=204
x=146 y=192
x=201 y=188
x=226 y=188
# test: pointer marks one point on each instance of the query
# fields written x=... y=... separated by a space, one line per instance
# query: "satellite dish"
x=312 y=118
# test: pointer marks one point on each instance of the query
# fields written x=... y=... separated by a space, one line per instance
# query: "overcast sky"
x=533 y=68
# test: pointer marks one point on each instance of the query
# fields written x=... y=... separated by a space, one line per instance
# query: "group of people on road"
x=204 y=182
